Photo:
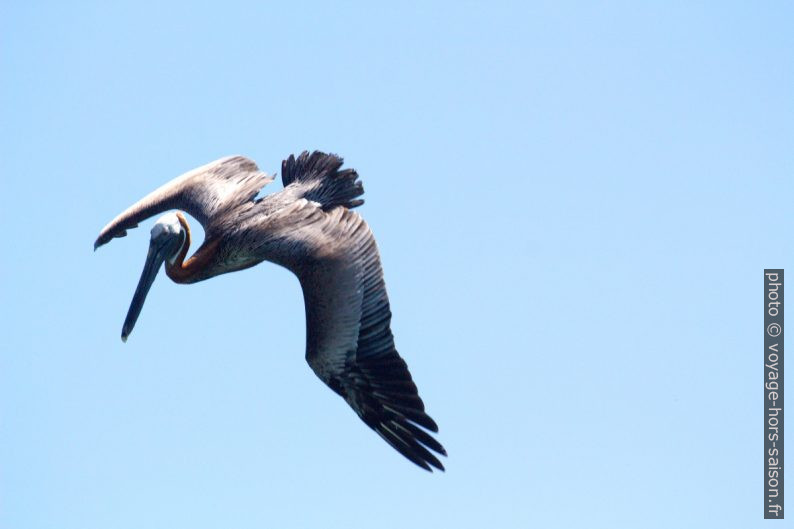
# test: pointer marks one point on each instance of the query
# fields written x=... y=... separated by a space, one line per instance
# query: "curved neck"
x=196 y=267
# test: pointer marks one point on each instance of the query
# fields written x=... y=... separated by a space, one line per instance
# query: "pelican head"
x=168 y=238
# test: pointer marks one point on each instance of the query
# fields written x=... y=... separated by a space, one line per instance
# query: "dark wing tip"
x=399 y=418
x=387 y=400
x=106 y=237
x=412 y=443
x=100 y=241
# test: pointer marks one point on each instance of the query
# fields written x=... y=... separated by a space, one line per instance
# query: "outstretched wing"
x=202 y=192
x=349 y=341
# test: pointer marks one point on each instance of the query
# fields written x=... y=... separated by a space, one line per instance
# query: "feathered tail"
x=320 y=180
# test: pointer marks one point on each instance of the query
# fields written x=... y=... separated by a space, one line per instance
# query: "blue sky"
x=574 y=204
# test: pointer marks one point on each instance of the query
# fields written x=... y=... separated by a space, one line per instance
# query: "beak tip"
x=124 y=338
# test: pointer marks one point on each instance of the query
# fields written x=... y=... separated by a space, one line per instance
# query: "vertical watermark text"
x=773 y=394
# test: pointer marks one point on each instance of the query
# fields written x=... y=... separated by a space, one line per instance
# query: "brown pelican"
x=309 y=228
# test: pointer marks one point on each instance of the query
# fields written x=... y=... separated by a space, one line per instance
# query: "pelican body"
x=309 y=228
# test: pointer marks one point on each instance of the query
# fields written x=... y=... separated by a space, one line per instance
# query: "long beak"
x=154 y=259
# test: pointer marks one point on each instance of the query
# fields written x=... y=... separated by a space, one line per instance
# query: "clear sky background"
x=574 y=204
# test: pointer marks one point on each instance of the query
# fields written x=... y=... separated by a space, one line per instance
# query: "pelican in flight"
x=309 y=228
